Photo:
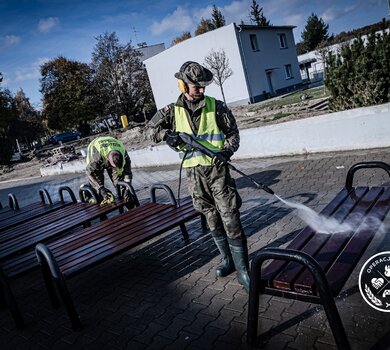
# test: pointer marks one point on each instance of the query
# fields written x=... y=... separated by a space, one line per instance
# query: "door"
x=269 y=80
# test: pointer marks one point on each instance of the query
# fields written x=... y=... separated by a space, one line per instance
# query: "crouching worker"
x=213 y=190
x=108 y=153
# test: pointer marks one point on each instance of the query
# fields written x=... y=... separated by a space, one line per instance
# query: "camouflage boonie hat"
x=194 y=73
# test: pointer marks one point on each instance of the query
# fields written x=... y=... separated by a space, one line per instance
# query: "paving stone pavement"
x=164 y=295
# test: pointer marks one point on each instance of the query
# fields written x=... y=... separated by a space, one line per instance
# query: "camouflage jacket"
x=97 y=165
x=164 y=120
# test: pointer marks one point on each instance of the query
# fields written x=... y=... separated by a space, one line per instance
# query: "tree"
x=360 y=74
x=256 y=15
x=217 y=18
x=315 y=32
x=179 y=39
x=120 y=77
x=29 y=125
x=204 y=26
x=68 y=93
x=218 y=63
x=9 y=114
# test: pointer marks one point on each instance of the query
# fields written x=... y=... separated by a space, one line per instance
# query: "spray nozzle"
x=267 y=189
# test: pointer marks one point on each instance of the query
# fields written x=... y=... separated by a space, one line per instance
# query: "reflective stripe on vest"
x=209 y=134
x=104 y=145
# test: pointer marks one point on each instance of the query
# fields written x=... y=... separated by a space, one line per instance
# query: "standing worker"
x=108 y=153
x=213 y=190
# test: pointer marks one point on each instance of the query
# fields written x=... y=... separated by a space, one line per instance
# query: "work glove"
x=173 y=139
x=106 y=195
x=222 y=158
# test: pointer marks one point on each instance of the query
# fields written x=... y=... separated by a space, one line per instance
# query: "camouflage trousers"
x=215 y=195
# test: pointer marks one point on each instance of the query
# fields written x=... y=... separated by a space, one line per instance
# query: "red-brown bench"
x=71 y=255
x=17 y=215
x=19 y=242
x=315 y=266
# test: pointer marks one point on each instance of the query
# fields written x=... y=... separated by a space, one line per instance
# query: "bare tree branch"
x=218 y=63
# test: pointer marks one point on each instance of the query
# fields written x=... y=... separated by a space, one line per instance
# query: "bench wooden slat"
x=82 y=215
x=345 y=263
x=9 y=213
x=92 y=238
x=86 y=234
x=22 y=216
x=22 y=264
x=274 y=268
x=285 y=278
x=336 y=242
x=124 y=240
x=36 y=223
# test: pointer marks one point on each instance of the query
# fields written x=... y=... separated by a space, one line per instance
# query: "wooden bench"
x=18 y=215
x=19 y=242
x=71 y=255
x=315 y=266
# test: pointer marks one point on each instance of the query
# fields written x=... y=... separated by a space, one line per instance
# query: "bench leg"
x=51 y=291
x=46 y=258
x=203 y=222
x=184 y=231
x=10 y=300
x=322 y=286
x=68 y=302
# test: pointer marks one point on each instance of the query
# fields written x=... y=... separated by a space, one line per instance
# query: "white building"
x=311 y=64
x=263 y=60
x=150 y=51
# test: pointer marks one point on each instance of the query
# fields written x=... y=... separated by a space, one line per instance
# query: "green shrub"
x=359 y=75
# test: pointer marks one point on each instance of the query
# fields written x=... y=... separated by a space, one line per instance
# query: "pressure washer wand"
x=189 y=140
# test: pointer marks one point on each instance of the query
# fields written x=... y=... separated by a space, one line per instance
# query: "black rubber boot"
x=227 y=266
x=239 y=251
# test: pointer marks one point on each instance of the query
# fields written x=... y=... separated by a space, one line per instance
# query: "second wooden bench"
x=67 y=257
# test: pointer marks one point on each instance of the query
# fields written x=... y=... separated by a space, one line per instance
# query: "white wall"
x=162 y=67
x=361 y=128
x=269 y=56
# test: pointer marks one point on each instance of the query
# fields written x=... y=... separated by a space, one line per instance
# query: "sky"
x=35 y=31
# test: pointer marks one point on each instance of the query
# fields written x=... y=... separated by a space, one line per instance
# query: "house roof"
x=307 y=60
x=253 y=26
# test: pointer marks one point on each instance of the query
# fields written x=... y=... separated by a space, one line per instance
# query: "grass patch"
x=314 y=93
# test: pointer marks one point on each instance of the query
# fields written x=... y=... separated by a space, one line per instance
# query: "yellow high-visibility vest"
x=104 y=145
x=209 y=134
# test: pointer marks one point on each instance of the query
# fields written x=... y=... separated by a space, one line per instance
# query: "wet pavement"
x=164 y=295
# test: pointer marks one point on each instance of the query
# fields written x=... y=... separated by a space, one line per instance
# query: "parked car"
x=64 y=137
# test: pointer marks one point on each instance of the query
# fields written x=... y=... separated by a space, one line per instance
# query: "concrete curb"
x=360 y=128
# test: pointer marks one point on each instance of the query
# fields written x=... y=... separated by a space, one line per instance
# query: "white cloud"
x=31 y=72
x=294 y=20
x=236 y=11
x=9 y=40
x=179 y=21
x=47 y=24
x=333 y=13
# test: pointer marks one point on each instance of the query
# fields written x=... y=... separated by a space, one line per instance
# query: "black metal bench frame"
x=12 y=256
x=323 y=293
x=51 y=263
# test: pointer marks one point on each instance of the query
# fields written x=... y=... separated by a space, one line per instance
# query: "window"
x=253 y=38
x=288 y=71
x=282 y=41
